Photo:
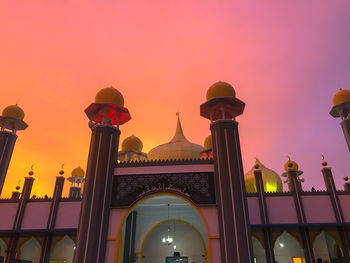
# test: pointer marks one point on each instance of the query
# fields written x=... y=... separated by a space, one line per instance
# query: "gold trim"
x=214 y=237
x=118 y=256
x=111 y=239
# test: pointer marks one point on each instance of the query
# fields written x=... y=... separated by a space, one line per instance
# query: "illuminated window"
x=255 y=261
x=58 y=261
x=298 y=260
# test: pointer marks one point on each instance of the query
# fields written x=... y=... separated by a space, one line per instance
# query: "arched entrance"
x=151 y=217
x=186 y=240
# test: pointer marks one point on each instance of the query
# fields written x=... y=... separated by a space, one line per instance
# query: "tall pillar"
x=295 y=187
x=338 y=211
x=57 y=194
x=94 y=214
x=235 y=236
x=10 y=122
x=270 y=256
x=11 y=249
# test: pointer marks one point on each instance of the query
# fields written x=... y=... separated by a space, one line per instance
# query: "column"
x=295 y=188
x=11 y=250
x=338 y=212
x=94 y=214
x=270 y=256
x=57 y=194
x=235 y=237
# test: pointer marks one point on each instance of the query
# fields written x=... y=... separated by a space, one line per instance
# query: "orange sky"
x=285 y=59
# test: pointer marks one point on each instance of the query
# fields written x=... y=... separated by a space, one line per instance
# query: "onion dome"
x=13 y=111
x=178 y=148
x=341 y=96
x=220 y=89
x=78 y=172
x=272 y=181
x=132 y=143
x=290 y=165
x=110 y=95
x=208 y=143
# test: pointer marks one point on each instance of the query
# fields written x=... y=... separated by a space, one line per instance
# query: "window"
x=58 y=261
x=298 y=260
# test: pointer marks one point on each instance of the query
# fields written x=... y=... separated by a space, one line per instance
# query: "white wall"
x=3 y=247
x=64 y=249
x=259 y=251
x=291 y=248
x=186 y=239
x=31 y=250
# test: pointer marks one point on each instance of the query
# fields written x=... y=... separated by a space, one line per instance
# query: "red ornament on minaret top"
x=108 y=108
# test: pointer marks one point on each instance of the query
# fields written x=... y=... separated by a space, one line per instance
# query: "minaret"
x=105 y=116
x=341 y=108
x=221 y=108
x=11 y=121
x=76 y=179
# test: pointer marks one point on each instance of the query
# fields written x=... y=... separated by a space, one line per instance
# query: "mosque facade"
x=180 y=202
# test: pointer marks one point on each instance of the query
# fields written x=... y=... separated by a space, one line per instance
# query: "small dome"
x=343 y=95
x=78 y=172
x=13 y=111
x=132 y=143
x=220 y=89
x=290 y=165
x=271 y=180
x=110 y=95
x=208 y=143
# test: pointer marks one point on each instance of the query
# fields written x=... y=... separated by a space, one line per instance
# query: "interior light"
x=174 y=246
x=281 y=245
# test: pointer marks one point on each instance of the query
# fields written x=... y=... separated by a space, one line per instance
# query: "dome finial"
x=179 y=134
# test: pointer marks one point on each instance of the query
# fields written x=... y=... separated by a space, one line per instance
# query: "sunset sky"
x=285 y=59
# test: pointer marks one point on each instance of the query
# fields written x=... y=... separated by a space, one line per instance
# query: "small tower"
x=208 y=149
x=292 y=166
x=76 y=180
x=221 y=108
x=11 y=121
x=105 y=115
x=341 y=109
x=131 y=150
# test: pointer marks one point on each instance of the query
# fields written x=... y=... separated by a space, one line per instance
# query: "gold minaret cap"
x=13 y=111
x=110 y=95
x=343 y=95
x=220 y=89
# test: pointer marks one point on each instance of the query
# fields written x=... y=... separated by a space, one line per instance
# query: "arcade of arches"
x=162 y=225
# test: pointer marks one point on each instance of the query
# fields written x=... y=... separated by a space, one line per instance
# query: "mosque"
x=180 y=202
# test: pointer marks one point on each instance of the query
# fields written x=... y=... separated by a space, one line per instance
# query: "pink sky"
x=285 y=59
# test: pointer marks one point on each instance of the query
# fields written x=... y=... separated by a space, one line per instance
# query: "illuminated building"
x=170 y=204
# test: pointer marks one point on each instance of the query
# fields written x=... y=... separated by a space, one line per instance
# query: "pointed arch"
x=30 y=250
x=63 y=249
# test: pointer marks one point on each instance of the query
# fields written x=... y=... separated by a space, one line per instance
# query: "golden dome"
x=290 y=165
x=13 y=111
x=110 y=95
x=178 y=148
x=208 y=144
x=343 y=95
x=271 y=180
x=78 y=172
x=220 y=89
x=132 y=143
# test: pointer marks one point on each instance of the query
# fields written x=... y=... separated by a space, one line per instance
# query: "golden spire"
x=179 y=134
